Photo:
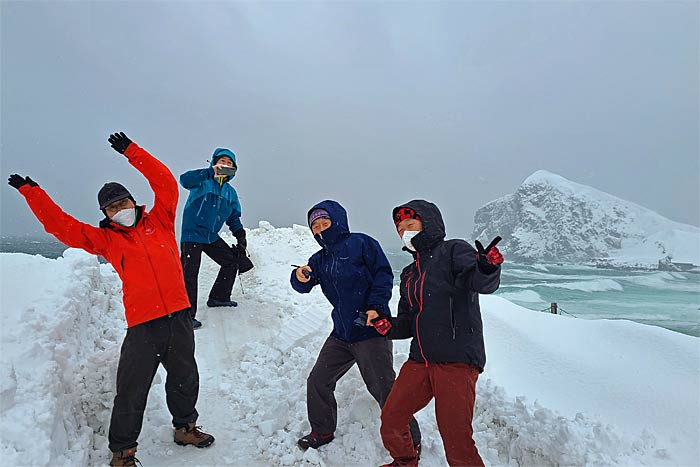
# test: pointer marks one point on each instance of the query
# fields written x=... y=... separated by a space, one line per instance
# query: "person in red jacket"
x=142 y=248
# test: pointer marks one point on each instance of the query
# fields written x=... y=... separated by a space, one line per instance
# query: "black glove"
x=119 y=142
x=240 y=238
x=488 y=258
x=17 y=181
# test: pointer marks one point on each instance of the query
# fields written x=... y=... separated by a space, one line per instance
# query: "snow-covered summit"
x=552 y=219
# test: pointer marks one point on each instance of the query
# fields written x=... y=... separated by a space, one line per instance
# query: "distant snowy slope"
x=552 y=219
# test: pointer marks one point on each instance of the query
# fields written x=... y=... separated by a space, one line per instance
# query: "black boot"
x=312 y=440
x=211 y=303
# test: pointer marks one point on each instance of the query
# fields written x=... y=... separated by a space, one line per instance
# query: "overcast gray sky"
x=371 y=104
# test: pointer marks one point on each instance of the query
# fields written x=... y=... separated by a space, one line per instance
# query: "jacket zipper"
x=218 y=205
x=150 y=261
x=420 y=310
x=335 y=285
x=452 y=318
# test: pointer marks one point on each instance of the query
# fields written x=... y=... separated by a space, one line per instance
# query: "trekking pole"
x=240 y=281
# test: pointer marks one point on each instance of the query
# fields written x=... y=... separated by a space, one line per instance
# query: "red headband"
x=404 y=213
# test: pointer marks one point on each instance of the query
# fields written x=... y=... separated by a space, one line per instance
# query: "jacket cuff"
x=24 y=189
x=379 y=309
x=486 y=268
x=131 y=150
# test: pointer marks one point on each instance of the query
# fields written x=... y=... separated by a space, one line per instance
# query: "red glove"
x=488 y=258
x=382 y=325
x=494 y=256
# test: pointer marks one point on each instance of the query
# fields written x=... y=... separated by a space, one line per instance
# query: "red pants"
x=454 y=387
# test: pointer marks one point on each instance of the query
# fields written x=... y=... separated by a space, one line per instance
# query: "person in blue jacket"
x=211 y=202
x=356 y=277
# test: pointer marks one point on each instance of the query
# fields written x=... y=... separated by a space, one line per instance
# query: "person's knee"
x=314 y=379
x=391 y=425
x=390 y=416
x=380 y=393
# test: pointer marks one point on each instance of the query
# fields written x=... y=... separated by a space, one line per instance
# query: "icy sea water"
x=667 y=299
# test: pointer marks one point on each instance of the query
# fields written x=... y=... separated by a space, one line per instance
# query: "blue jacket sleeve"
x=468 y=275
x=234 y=220
x=192 y=178
x=382 y=276
x=305 y=287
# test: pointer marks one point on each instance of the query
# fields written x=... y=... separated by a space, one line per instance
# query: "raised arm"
x=159 y=177
x=472 y=273
x=192 y=178
x=64 y=227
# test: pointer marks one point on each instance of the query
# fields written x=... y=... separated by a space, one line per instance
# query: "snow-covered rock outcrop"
x=552 y=219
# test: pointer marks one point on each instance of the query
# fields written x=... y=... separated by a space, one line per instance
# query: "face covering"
x=125 y=217
x=407 y=237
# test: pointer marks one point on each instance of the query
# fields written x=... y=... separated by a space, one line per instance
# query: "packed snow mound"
x=556 y=390
x=62 y=327
x=552 y=219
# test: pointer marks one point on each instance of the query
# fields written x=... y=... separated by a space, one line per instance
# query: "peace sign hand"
x=489 y=256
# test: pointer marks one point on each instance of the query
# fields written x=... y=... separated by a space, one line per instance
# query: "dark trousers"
x=454 y=387
x=168 y=340
x=374 y=359
x=223 y=255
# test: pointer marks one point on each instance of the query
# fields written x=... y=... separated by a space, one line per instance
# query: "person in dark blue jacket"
x=212 y=201
x=356 y=277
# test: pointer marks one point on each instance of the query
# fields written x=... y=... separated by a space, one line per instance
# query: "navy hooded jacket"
x=353 y=272
x=209 y=204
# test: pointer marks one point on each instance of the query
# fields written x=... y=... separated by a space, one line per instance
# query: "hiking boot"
x=196 y=324
x=124 y=458
x=191 y=434
x=211 y=303
x=312 y=440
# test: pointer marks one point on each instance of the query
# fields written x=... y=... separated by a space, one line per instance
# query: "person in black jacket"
x=439 y=309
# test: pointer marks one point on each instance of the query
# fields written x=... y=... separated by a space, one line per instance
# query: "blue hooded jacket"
x=353 y=272
x=209 y=204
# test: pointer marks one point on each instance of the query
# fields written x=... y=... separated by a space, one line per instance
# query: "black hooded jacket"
x=439 y=304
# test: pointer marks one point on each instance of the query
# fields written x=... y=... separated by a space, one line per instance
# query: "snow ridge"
x=58 y=365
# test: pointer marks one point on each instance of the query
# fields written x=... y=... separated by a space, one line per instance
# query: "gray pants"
x=374 y=359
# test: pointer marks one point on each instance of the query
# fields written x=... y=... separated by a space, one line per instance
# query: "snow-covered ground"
x=556 y=391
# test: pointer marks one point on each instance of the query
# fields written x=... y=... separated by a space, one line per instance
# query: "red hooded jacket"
x=145 y=256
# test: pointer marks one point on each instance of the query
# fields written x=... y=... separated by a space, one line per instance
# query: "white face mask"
x=407 y=237
x=125 y=217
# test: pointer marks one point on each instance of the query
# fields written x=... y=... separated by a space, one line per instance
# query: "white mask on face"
x=407 y=237
x=125 y=217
